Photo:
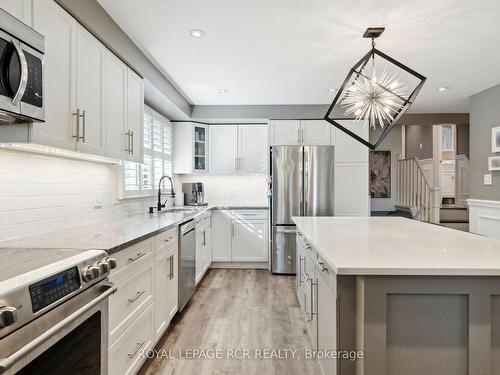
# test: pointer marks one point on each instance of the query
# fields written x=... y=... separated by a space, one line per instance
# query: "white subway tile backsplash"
x=40 y=193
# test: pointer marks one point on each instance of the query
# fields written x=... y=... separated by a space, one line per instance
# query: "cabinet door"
x=249 y=240
x=351 y=193
x=200 y=262
x=347 y=149
x=300 y=272
x=59 y=29
x=117 y=141
x=208 y=244
x=90 y=92
x=221 y=235
x=253 y=149
x=173 y=283
x=223 y=148
x=315 y=132
x=327 y=324
x=135 y=115
x=285 y=132
x=161 y=300
x=200 y=148
x=21 y=9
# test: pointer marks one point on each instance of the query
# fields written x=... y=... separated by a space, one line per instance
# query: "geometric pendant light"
x=377 y=92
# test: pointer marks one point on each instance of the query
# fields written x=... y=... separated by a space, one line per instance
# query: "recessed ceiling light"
x=196 y=33
x=222 y=91
x=333 y=90
x=441 y=89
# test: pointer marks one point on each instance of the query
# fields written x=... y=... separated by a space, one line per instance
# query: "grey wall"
x=463 y=142
x=391 y=143
x=484 y=115
x=418 y=142
x=91 y=15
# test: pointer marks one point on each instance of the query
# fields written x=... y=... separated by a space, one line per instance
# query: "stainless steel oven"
x=21 y=72
x=58 y=323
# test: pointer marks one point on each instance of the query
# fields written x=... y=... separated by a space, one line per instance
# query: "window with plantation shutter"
x=142 y=179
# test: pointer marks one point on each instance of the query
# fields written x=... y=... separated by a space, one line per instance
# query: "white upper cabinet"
x=285 y=132
x=117 y=138
x=89 y=120
x=253 y=149
x=59 y=29
x=135 y=116
x=315 y=132
x=94 y=103
x=238 y=149
x=347 y=149
x=21 y=9
x=223 y=145
x=300 y=132
x=190 y=147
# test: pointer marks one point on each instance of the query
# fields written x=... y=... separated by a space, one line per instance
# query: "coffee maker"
x=193 y=194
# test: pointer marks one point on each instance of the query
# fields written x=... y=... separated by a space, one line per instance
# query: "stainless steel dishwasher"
x=187 y=262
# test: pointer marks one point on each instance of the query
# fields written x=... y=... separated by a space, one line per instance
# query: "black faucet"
x=160 y=205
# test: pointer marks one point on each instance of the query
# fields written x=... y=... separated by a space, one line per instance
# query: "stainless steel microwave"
x=21 y=72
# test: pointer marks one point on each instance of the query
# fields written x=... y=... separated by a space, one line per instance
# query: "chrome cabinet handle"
x=313 y=284
x=78 y=117
x=168 y=239
x=132 y=142
x=204 y=238
x=138 y=256
x=139 y=346
x=301 y=259
x=322 y=267
x=128 y=149
x=138 y=294
x=24 y=74
x=171 y=260
x=233 y=229
x=298 y=135
x=84 y=127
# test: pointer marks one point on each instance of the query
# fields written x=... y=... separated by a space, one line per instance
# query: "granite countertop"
x=398 y=246
x=114 y=234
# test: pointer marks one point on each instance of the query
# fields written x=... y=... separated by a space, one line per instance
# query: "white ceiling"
x=293 y=51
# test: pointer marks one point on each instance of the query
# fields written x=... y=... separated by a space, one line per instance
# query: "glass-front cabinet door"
x=200 y=148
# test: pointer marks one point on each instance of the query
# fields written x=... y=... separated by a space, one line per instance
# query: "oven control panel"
x=54 y=288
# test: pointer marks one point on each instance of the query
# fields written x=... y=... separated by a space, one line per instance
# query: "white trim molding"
x=484 y=217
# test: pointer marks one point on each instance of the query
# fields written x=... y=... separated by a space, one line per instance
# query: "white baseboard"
x=243 y=265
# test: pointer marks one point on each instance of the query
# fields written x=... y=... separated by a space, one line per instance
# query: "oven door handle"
x=24 y=74
x=8 y=362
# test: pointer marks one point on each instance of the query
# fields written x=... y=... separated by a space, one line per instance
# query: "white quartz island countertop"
x=399 y=246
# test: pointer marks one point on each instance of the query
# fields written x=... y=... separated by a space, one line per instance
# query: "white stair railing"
x=416 y=193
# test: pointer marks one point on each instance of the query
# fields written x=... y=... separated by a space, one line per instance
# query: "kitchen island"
x=414 y=298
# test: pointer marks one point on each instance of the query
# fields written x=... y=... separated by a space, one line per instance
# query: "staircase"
x=416 y=197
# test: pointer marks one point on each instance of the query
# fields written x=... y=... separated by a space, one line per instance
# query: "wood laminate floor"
x=237 y=309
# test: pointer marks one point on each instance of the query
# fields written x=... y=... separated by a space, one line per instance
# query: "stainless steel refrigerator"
x=302 y=185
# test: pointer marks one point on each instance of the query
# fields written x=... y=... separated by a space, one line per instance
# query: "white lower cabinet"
x=166 y=287
x=124 y=355
x=203 y=246
x=145 y=301
x=240 y=236
x=249 y=241
x=316 y=292
x=221 y=235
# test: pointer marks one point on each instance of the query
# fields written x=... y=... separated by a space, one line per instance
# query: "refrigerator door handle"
x=280 y=230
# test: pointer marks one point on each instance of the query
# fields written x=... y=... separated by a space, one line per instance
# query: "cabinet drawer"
x=249 y=214
x=134 y=294
x=131 y=257
x=167 y=238
x=125 y=354
x=327 y=273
